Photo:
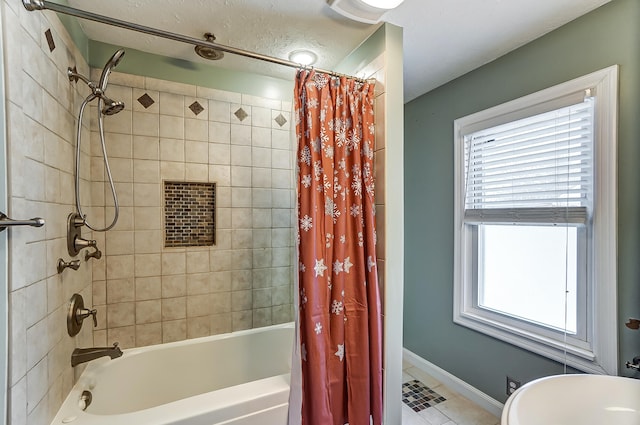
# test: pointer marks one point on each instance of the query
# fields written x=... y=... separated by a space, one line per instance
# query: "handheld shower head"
x=111 y=63
x=111 y=107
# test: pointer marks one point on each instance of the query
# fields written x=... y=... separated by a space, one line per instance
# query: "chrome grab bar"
x=8 y=222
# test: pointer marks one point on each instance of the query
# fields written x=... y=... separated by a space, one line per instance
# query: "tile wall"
x=41 y=109
x=147 y=293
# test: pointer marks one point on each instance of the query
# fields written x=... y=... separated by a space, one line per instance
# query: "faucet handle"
x=83 y=313
x=77 y=313
x=633 y=323
x=97 y=254
x=116 y=347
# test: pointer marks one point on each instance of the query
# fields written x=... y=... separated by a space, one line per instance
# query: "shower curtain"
x=339 y=325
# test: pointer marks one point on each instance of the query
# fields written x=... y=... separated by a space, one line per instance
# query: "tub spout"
x=82 y=355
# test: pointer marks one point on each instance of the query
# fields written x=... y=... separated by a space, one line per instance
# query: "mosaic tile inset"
x=189 y=214
x=418 y=396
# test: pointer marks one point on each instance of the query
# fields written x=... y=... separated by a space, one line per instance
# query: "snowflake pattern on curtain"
x=340 y=313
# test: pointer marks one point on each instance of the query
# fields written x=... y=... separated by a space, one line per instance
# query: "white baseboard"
x=454 y=383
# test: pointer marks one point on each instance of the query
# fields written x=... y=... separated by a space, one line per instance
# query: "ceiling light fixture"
x=367 y=11
x=303 y=57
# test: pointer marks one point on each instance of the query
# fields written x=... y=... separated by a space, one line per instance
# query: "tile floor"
x=434 y=404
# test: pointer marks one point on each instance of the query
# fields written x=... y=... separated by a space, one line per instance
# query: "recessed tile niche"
x=189 y=214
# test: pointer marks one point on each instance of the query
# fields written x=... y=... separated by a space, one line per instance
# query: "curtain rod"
x=32 y=5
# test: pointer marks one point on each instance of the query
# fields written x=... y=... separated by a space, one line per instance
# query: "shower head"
x=111 y=63
x=111 y=107
x=209 y=52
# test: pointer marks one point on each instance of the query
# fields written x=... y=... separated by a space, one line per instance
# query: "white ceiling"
x=443 y=39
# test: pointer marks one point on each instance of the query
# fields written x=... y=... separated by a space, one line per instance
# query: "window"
x=535 y=222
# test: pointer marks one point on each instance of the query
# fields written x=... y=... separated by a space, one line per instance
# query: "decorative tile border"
x=189 y=214
x=146 y=100
x=418 y=396
x=196 y=107
x=241 y=114
x=280 y=120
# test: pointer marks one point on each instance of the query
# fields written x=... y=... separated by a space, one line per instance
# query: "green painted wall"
x=137 y=62
x=609 y=35
x=366 y=52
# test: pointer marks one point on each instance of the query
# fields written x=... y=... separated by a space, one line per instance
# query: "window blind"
x=536 y=169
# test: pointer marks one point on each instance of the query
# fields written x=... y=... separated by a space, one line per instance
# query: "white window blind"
x=537 y=169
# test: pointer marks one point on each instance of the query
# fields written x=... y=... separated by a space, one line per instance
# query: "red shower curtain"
x=339 y=304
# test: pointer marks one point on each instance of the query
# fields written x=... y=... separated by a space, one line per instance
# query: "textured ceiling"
x=443 y=39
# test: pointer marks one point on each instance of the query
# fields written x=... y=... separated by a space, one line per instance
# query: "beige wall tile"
x=37 y=384
x=120 y=266
x=125 y=336
x=173 y=263
x=262 y=317
x=241 y=300
x=282 y=313
x=198 y=283
x=171 y=104
x=174 y=308
x=120 y=290
x=37 y=343
x=148 y=288
x=146 y=124
x=146 y=195
x=171 y=127
x=199 y=305
x=148 y=218
x=197 y=152
x=197 y=261
x=197 y=172
x=219 y=132
x=146 y=171
x=172 y=150
x=172 y=170
x=221 y=302
x=148 y=311
x=120 y=314
x=220 y=323
x=219 y=111
x=174 y=330
x=145 y=147
x=148 y=241
x=174 y=286
x=147 y=265
x=241 y=280
x=198 y=326
x=241 y=320
x=148 y=334
x=119 y=242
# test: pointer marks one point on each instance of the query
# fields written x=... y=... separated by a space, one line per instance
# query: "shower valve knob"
x=84 y=313
x=77 y=313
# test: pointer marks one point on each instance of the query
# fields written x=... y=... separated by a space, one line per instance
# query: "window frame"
x=600 y=353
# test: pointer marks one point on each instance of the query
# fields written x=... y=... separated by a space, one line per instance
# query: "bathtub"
x=241 y=378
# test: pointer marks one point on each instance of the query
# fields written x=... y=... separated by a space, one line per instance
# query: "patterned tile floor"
x=427 y=402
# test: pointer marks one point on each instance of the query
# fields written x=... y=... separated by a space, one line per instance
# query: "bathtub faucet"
x=82 y=355
x=634 y=364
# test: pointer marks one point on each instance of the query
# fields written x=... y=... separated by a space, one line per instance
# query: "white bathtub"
x=241 y=378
